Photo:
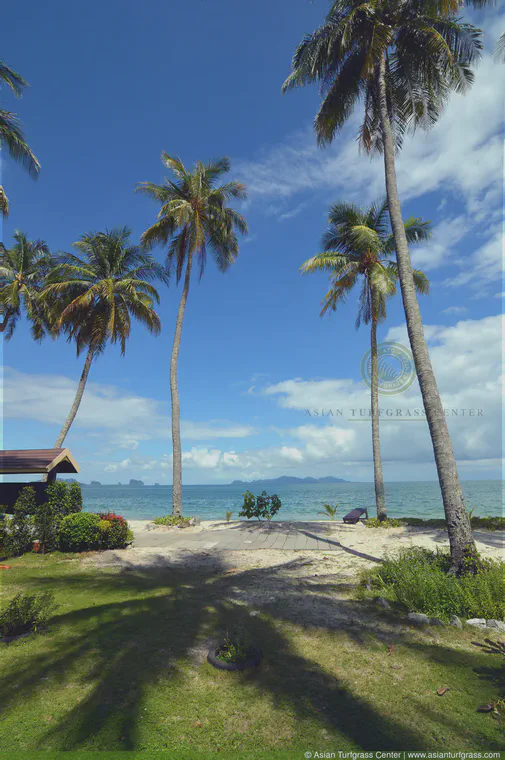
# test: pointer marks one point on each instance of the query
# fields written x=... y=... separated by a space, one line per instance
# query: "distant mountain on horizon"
x=288 y=480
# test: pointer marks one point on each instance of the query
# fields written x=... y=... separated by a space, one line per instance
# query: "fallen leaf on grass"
x=441 y=690
x=396 y=667
x=391 y=649
x=198 y=724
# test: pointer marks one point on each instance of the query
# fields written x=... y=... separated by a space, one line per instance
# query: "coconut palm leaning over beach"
x=12 y=137
x=358 y=243
x=401 y=59
x=23 y=271
x=193 y=217
x=91 y=298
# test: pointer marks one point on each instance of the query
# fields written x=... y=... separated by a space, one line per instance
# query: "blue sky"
x=112 y=85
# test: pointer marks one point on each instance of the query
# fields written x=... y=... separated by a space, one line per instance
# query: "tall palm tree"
x=11 y=135
x=193 y=217
x=499 y=53
x=23 y=271
x=92 y=298
x=358 y=243
x=401 y=59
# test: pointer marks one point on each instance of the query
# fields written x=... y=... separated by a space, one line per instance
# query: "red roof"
x=37 y=461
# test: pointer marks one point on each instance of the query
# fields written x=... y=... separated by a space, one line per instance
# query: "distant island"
x=136 y=482
x=287 y=480
x=95 y=483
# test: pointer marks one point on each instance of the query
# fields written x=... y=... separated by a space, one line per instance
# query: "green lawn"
x=120 y=668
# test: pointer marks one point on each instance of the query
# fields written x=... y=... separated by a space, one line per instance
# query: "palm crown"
x=11 y=132
x=194 y=215
x=23 y=270
x=358 y=242
x=94 y=296
x=428 y=52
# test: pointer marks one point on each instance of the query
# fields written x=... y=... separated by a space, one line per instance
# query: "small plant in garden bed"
x=262 y=507
x=389 y=522
x=233 y=649
x=173 y=521
x=26 y=613
x=420 y=581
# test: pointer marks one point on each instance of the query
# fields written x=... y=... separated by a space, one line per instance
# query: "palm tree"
x=499 y=53
x=23 y=271
x=401 y=59
x=358 y=243
x=193 y=217
x=11 y=134
x=92 y=298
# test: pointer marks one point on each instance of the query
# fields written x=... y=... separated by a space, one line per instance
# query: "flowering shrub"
x=85 y=531
x=114 y=531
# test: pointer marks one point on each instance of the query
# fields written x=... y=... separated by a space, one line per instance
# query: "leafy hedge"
x=26 y=613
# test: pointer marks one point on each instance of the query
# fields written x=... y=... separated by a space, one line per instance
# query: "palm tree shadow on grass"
x=133 y=644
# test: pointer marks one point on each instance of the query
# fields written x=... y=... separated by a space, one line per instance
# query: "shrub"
x=114 y=531
x=263 y=507
x=26 y=613
x=173 y=521
x=389 y=522
x=419 y=581
x=18 y=532
x=80 y=532
x=74 y=498
x=228 y=516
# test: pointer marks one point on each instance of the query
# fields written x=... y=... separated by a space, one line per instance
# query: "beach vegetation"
x=228 y=516
x=390 y=522
x=401 y=61
x=421 y=580
x=87 y=531
x=194 y=217
x=329 y=511
x=261 y=507
x=485 y=523
x=26 y=613
x=173 y=521
x=357 y=247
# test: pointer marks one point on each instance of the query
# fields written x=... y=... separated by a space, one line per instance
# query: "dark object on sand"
x=354 y=515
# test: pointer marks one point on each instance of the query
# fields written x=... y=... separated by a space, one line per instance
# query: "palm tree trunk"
x=77 y=400
x=174 y=393
x=458 y=523
x=376 y=446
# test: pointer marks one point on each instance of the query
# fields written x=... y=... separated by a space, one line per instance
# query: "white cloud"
x=456 y=310
x=125 y=420
x=483 y=268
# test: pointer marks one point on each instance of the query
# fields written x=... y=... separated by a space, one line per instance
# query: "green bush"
x=262 y=507
x=18 y=533
x=418 y=580
x=80 y=532
x=173 y=520
x=74 y=498
x=87 y=531
x=26 y=613
x=390 y=522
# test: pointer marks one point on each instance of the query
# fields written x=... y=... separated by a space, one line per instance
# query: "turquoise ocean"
x=299 y=502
